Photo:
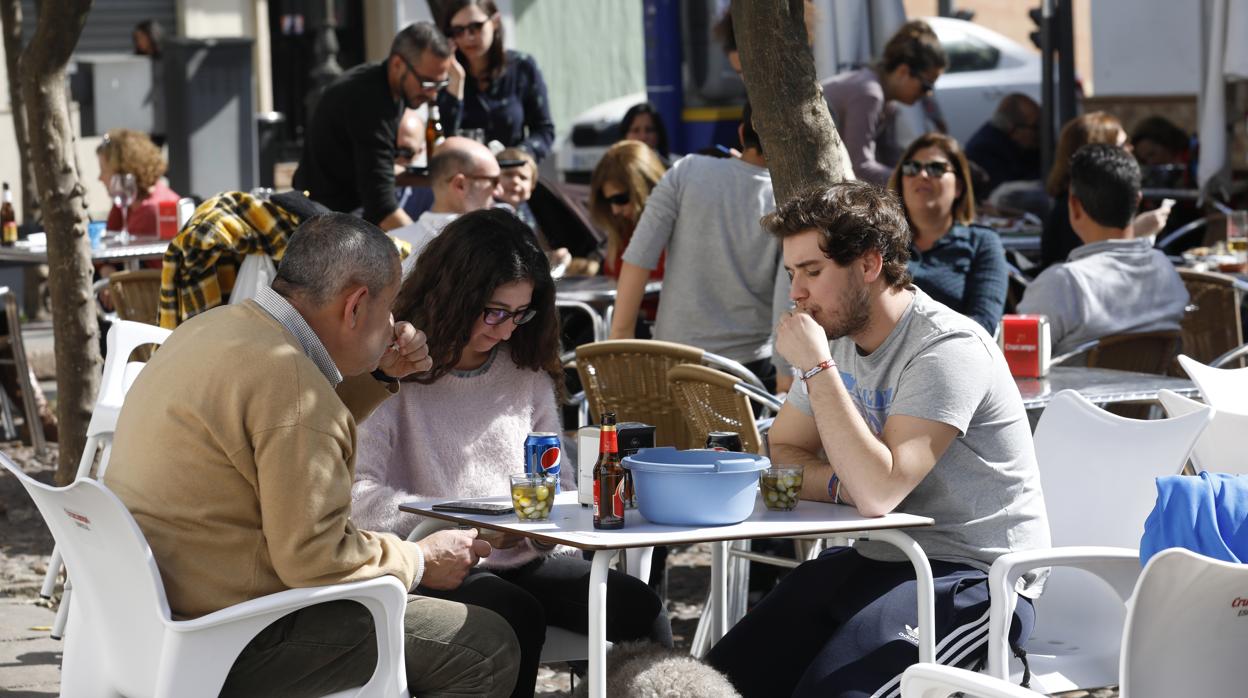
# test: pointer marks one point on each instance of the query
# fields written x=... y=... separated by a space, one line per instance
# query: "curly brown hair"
x=634 y=166
x=133 y=152
x=454 y=278
x=852 y=218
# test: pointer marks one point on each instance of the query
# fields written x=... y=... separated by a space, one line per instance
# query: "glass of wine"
x=124 y=189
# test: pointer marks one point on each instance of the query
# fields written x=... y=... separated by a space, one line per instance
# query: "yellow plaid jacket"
x=201 y=264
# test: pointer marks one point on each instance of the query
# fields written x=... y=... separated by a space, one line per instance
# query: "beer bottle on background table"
x=608 y=478
x=8 y=220
x=433 y=133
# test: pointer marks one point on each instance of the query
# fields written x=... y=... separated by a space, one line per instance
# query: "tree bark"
x=74 y=327
x=801 y=144
x=11 y=21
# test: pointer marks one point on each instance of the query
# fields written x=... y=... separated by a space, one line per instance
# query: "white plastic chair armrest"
x=201 y=651
x=939 y=681
x=1120 y=567
x=427 y=526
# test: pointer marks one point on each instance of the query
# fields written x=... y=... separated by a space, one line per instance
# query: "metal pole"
x=944 y=8
x=1047 y=106
x=1065 y=29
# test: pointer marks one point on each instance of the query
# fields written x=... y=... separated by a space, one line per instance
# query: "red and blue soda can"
x=541 y=455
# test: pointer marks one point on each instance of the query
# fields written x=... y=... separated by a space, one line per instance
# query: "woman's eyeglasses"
x=497 y=316
x=457 y=30
x=620 y=199
x=934 y=169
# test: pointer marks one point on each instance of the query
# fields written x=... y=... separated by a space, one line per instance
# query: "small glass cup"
x=781 y=486
x=532 y=496
x=1237 y=235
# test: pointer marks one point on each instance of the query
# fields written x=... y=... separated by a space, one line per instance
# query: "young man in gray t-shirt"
x=916 y=411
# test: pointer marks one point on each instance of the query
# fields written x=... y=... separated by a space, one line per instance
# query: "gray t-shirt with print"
x=984 y=492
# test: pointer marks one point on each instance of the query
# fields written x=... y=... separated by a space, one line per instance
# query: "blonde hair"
x=520 y=154
x=133 y=152
x=632 y=165
x=1093 y=127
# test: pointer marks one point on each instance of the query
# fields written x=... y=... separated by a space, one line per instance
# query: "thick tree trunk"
x=802 y=146
x=61 y=196
x=11 y=20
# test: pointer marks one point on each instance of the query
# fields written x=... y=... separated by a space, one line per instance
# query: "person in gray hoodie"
x=1115 y=282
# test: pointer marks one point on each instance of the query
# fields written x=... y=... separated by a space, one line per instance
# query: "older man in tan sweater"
x=235 y=451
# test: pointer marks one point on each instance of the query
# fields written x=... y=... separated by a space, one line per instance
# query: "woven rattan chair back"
x=629 y=378
x=136 y=297
x=710 y=402
x=1142 y=352
x=1212 y=325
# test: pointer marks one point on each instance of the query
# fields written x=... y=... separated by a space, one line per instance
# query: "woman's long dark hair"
x=454 y=278
x=660 y=131
x=496 y=55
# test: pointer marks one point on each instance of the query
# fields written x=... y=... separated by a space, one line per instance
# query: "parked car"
x=984 y=66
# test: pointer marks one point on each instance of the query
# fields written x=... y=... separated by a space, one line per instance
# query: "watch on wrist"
x=383 y=376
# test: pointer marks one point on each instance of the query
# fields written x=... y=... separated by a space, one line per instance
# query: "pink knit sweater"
x=459 y=437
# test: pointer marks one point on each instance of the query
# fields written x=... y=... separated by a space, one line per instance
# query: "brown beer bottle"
x=8 y=221
x=433 y=133
x=608 y=478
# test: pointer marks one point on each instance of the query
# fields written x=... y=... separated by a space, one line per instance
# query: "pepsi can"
x=541 y=455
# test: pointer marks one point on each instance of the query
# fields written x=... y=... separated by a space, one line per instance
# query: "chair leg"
x=6 y=417
x=62 y=612
x=54 y=571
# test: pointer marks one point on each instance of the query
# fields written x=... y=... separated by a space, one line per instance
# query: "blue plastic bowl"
x=695 y=488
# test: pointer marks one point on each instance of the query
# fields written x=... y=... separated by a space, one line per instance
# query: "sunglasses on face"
x=620 y=199
x=497 y=316
x=425 y=83
x=924 y=85
x=404 y=153
x=457 y=30
x=934 y=169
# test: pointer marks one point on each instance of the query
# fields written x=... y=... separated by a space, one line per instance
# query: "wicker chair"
x=629 y=378
x=136 y=297
x=716 y=401
x=1141 y=352
x=1212 y=325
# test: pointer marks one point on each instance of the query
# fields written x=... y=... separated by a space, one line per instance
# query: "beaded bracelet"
x=818 y=368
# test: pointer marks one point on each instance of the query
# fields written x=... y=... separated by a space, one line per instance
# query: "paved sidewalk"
x=29 y=660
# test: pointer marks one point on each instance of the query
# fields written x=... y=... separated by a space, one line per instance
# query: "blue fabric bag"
x=1206 y=514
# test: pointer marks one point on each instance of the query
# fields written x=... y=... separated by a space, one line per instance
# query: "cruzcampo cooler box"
x=1027 y=345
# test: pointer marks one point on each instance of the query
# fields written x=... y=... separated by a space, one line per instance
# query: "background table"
x=571 y=524
x=1101 y=386
x=139 y=248
x=594 y=296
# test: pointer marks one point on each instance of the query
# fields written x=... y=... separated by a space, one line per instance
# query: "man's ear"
x=458 y=183
x=871 y=264
x=353 y=305
x=1074 y=207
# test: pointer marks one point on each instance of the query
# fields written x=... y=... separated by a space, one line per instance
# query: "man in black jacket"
x=349 y=150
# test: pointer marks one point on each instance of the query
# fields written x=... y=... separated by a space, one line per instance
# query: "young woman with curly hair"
x=482 y=293
x=122 y=152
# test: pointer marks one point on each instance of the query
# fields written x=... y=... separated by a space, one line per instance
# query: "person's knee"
x=456 y=649
x=500 y=648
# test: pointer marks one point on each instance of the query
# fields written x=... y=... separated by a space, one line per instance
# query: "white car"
x=984 y=66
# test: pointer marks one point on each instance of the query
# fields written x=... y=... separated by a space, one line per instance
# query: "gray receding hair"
x=1011 y=111
x=415 y=38
x=332 y=252
x=448 y=163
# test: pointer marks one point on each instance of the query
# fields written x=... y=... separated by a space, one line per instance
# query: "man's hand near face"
x=408 y=354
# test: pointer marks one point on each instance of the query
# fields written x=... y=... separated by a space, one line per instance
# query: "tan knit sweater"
x=236 y=457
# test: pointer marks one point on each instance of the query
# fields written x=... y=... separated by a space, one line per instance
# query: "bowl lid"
x=665 y=459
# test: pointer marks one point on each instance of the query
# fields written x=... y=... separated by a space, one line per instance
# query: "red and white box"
x=167 y=219
x=1027 y=344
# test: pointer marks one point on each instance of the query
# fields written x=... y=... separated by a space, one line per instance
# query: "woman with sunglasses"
x=504 y=94
x=954 y=261
x=619 y=187
x=483 y=293
x=862 y=101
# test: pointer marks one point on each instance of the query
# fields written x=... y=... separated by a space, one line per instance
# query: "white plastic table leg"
x=719 y=590
x=598 y=623
x=926 y=588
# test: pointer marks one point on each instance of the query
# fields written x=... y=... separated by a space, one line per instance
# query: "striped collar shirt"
x=276 y=305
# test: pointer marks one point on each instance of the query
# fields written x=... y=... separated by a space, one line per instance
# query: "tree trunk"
x=802 y=146
x=11 y=21
x=61 y=196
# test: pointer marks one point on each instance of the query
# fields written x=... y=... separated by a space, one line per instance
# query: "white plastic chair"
x=119 y=374
x=1097 y=471
x=1184 y=636
x=125 y=641
x=1222 y=388
x=1221 y=448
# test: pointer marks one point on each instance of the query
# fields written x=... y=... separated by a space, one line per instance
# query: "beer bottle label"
x=597 y=498
x=610 y=442
x=617 y=500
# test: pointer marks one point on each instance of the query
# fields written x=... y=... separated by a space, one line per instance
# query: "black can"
x=724 y=441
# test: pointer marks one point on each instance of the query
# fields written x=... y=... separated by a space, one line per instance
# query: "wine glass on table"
x=124 y=189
